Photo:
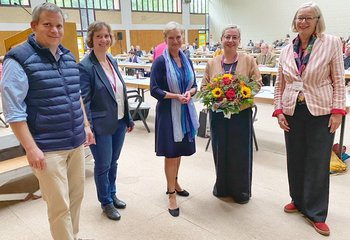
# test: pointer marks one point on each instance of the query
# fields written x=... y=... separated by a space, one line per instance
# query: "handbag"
x=203 y=124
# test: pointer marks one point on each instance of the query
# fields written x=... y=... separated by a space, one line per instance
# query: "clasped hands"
x=184 y=98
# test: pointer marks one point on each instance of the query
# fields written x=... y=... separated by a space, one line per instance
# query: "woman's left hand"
x=334 y=122
x=129 y=129
x=187 y=95
x=90 y=139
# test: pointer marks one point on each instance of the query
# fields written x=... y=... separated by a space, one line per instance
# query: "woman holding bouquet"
x=309 y=104
x=232 y=137
x=173 y=83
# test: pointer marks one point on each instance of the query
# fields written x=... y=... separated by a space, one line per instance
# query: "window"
x=90 y=4
x=24 y=3
x=173 y=6
x=199 y=6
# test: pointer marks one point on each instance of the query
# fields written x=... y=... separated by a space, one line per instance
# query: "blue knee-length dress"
x=164 y=137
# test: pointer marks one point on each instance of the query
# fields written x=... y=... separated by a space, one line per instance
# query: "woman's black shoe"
x=173 y=212
x=182 y=193
x=111 y=212
x=118 y=203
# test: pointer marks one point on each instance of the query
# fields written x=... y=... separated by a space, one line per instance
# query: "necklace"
x=234 y=61
x=108 y=68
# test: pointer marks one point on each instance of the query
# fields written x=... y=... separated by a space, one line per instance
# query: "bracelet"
x=86 y=124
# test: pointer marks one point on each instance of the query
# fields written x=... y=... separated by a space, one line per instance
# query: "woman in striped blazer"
x=309 y=104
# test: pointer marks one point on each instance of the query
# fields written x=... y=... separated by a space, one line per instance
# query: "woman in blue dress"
x=173 y=83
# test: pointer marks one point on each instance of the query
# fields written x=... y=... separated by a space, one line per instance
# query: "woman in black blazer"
x=104 y=94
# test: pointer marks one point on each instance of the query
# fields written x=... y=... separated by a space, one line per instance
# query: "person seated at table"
x=266 y=59
x=202 y=50
x=275 y=43
x=347 y=57
x=1 y=61
x=218 y=51
x=151 y=51
x=194 y=45
x=286 y=42
x=132 y=49
x=256 y=48
x=250 y=44
x=347 y=61
x=138 y=51
x=186 y=51
x=133 y=57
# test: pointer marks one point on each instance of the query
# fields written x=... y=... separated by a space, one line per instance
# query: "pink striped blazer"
x=323 y=79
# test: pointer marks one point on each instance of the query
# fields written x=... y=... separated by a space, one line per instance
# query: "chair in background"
x=255 y=111
x=1 y=119
x=137 y=107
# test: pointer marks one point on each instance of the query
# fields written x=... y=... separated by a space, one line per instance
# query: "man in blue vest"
x=41 y=102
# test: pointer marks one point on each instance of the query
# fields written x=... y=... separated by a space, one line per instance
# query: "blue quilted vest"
x=55 y=118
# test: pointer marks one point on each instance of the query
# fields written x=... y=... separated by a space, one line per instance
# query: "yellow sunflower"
x=215 y=79
x=245 y=91
x=217 y=92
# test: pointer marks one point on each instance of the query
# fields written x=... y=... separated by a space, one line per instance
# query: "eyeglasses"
x=307 y=19
x=229 y=37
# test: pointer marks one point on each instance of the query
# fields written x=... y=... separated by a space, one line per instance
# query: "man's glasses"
x=229 y=37
x=307 y=19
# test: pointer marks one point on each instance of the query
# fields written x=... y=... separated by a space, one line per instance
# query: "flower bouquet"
x=226 y=93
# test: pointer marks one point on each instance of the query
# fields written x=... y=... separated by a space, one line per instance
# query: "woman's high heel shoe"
x=182 y=193
x=173 y=212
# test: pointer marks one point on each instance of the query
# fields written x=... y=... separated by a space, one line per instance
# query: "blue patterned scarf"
x=184 y=116
x=302 y=58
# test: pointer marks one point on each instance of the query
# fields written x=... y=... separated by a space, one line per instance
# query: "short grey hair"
x=320 y=26
x=50 y=7
x=172 y=26
x=265 y=44
x=231 y=26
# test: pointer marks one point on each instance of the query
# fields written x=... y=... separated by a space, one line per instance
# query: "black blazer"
x=98 y=96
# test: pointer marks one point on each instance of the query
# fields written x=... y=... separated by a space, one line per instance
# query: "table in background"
x=268 y=70
x=145 y=66
x=141 y=84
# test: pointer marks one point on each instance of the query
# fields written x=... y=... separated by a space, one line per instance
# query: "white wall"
x=271 y=19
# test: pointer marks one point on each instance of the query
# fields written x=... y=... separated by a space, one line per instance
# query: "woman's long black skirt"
x=233 y=153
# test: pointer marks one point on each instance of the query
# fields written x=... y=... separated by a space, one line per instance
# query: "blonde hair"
x=95 y=27
x=46 y=6
x=231 y=26
x=172 y=26
x=320 y=26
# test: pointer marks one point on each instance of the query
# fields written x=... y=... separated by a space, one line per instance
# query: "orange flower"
x=227 y=76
